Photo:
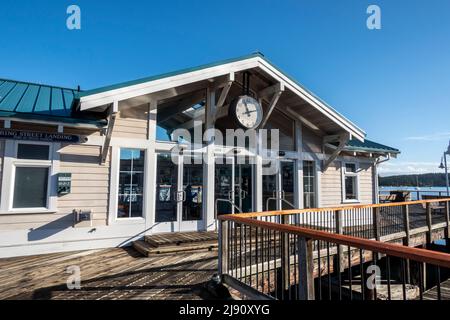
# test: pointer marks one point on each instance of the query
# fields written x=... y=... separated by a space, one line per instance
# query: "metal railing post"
x=305 y=269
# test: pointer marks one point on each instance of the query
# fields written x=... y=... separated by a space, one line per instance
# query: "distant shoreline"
x=427 y=180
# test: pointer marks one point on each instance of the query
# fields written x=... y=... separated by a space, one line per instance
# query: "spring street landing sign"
x=40 y=136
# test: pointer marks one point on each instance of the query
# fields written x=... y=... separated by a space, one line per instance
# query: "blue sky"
x=393 y=82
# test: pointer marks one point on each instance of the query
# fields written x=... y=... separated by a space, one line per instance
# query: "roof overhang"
x=149 y=88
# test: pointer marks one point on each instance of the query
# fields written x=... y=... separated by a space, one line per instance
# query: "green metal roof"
x=36 y=101
x=370 y=146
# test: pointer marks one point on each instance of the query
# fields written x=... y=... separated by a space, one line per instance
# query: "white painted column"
x=299 y=166
x=376 y=185
x=7 y=183
x=150 y=169
x=319 y=184
x=259 y=175
x=209 y=164
x=114 y=182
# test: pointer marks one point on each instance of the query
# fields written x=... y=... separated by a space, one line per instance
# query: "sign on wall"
x=39 y=136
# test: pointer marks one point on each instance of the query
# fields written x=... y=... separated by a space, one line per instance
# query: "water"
x=416 y=193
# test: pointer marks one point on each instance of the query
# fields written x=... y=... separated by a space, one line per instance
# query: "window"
x=33 y=151
x=131 y=183
x=309 y=185
x=31 y=176
x=178 y=114
x=350 y=182
x=30 y=188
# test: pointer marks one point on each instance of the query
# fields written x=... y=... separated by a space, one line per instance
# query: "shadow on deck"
x=109 y=274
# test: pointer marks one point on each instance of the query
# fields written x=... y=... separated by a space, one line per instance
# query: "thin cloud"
x=440 y=136
x=401 y=168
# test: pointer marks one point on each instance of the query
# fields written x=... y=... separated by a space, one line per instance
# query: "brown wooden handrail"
x=420 y=255
x=360 y=206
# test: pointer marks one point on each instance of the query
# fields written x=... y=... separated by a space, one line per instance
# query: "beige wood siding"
x=2 y=153
x=132 y=123
x=90 y=181
x=331 y=184
x=366 y=183
x=90 y=191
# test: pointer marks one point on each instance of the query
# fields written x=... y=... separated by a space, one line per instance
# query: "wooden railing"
x=331 y=253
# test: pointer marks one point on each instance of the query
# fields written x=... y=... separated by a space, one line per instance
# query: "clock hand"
x=246 y=106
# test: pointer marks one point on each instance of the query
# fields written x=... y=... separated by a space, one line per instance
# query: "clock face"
x=247 y=112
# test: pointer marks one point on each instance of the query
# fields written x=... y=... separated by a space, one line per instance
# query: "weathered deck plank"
x=445 y=292
x=108 y=274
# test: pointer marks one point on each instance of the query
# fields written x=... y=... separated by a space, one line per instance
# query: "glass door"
x=233 y=185
x=269 y=190
x=287 y=185
x=167 y=193
x=179 y=194
x=224 y=186
x=192 y=192
x=243 y=187
x=279 y=188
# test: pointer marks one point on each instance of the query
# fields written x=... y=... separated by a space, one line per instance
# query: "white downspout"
x=376 y=179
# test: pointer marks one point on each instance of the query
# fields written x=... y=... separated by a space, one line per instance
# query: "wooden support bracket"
x=343 y=140
x=114 y=109
x=225 y=91
x=273 y=103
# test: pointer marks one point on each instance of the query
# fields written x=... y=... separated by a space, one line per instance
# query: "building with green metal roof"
x=106 y=167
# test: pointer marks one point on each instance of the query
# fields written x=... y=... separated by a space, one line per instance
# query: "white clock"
x=246 y=112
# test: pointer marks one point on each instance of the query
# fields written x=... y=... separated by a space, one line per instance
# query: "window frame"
x=315 y=181
x=345 y=174
x=11 y=163
x=116 y=218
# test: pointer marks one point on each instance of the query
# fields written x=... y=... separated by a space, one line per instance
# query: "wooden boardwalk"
x=109 y=274
x=445 y=292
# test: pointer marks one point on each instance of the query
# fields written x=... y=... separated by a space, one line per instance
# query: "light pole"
x=444 y=166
